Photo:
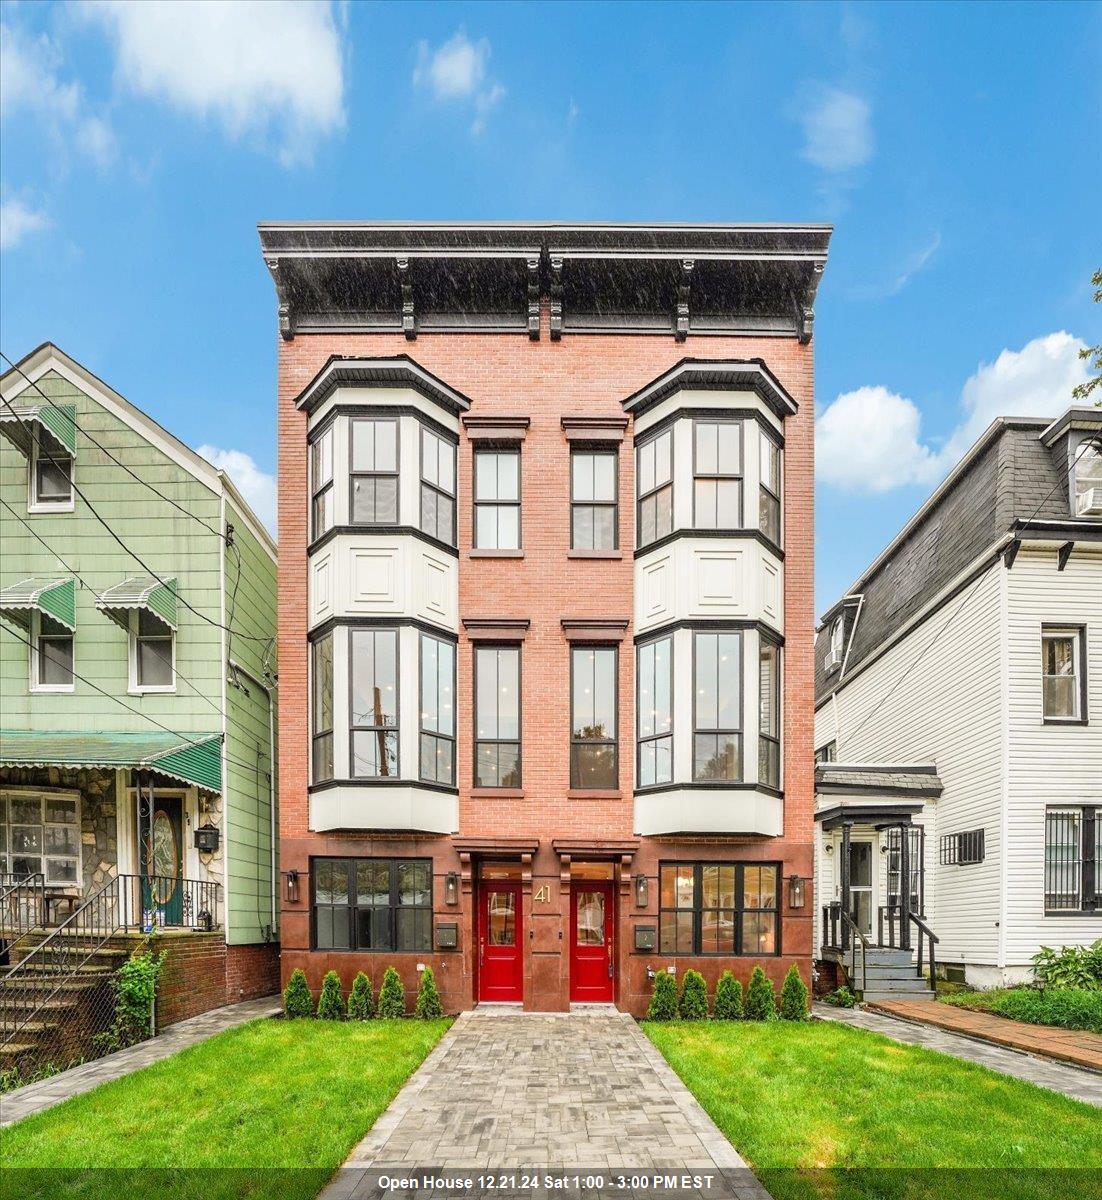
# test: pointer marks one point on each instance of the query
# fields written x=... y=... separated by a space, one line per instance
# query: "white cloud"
x=266 y=69
x=17 y=219
x=869 y=440
x=257 y=486
x=456 y=71
x=913 y=265
x=30 y=82
x=837 y=129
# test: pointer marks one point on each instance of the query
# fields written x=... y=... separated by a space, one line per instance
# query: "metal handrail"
x=923 y=928
x=848 y=921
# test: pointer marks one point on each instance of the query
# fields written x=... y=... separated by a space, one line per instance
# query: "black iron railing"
x=925 y=933
x=841 y=932
x=22 y=911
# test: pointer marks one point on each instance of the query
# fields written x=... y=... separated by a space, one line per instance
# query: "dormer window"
x=1088 y=483
x=837 y=638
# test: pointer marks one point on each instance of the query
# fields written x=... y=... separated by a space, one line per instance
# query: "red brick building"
x=545 y=603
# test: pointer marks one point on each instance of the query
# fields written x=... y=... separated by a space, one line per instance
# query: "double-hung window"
x=321 y=483
x=769 y=489
x=321 y=709
x=497 y=717
x=51 y=655
x=718 y=908
x=593 y=758
x=497 y=499
x=374 y=478
x=152 y=653
x=437 y=486
x=1063 y=689
x=827 y=752
x=654 y=488
x=372 y=904
x=717 y=706
x=769 y=713
x=437 y=750
x=51 y=476
x=717 y=474
x=1088 y=481
x=40 y=835
x=654 y=677
x=374 y=724
x=1073 y=858
x=593 y=500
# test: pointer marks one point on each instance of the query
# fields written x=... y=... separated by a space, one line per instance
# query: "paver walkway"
x=569 y=1093
x=1071 y=1081
x=1075 y=1046
x=37 y=1097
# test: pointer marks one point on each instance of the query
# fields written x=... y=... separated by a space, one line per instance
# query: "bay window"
x=769 y=491
x=374 y=716
x=321 y=484
x=374 y=475
x=437 y=486
x=654 y=488
x=717 y=706
x=654 y=676
x=717 y=474
x=769 y=710
x=321 y=709
x=437 y=748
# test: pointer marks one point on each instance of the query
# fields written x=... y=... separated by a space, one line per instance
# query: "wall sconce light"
x=642 y=890
x=290 y=880
x=797 y=891
x=829 y=848
x=451 y=888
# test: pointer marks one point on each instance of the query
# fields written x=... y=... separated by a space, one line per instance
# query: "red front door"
x=592 y=940
x=500 y=941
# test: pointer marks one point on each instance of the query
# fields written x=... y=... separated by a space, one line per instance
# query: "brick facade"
x=508 y=374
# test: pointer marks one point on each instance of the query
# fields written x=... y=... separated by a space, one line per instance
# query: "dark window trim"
x=386 y=531
x=654 y=737
x=777 y=495
x=740 y=731
x=354 y=622
x=739 y=911
x=353 y=908
x=704 y=625
x=590 y=452
x=476 y=740
x=739 y=476
x=1079 y=632
x=778 y=694
x=827 y=752
x=1090 y=899
x=384 y=411
x=497 y=448
x=353 y=728
x=317 y=734
x=750 y=535
x=707 y=414
x=422 y=732
x=368 y=782
x=396 y=474
x=422 y=429
x=641 y=497
x=316 y=491
x=584 y=648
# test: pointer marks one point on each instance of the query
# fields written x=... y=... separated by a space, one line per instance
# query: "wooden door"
x=500 y=941
x=592 y=940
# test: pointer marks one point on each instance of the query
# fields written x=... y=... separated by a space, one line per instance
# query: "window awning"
x=143 y=591
x=192 y=759
x=55 y=425
x=54 y=597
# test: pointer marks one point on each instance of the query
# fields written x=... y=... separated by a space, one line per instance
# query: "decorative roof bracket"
x=534 y=298
x=286 y=317
x=681 y=316
x=409 y=317
x=805 y=307
x=556 y=297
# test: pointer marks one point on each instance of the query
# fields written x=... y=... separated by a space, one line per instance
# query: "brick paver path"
x=37 y=1097
x=1076 y=1082
x=1073 y=1046
x=560 y=1092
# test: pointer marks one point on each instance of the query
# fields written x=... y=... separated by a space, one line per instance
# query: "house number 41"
x=543 y=894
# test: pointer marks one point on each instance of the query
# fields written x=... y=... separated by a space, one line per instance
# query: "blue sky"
x=954 y=148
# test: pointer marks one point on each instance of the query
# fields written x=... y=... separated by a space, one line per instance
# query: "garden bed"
x=1061 y=1008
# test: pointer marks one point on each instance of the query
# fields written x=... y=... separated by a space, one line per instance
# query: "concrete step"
x=908 y=986
x=871 y=995
x=890 y=970
x=884 y=954
x=15 y=1049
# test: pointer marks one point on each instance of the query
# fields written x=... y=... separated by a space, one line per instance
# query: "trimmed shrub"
x=841 y=998
x=330 y=1002
x=296 y=996
x=392 y=996
x=693 y=1005
x=361 y=1000
x=428 y=1006
x=728 y=1002
x=794 y=996
x=663 y=1001
x=761 y=1003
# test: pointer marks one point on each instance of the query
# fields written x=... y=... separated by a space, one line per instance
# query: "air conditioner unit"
x=1089 y=503
x=833 y=660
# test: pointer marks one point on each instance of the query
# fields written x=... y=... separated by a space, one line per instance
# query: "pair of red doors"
x=501 y=941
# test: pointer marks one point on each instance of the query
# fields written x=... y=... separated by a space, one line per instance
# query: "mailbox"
x=645 y=938
x=206 y=838
x=447 y=935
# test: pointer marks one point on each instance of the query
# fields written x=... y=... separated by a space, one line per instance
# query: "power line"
x=189 y=739
x=35 y=534
x=145 y=482
x=1087 y=444
x=141 y=562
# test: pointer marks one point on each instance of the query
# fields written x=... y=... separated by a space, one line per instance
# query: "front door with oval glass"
x=162 y=868
x=592 y=938
x=500 y=941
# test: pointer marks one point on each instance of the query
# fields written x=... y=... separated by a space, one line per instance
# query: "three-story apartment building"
x=545 y=603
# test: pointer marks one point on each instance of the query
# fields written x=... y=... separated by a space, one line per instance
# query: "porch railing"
x=22 y=910
x=925 y=933
x=841 y=932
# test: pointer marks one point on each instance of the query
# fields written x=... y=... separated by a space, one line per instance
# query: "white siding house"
x=935 y=661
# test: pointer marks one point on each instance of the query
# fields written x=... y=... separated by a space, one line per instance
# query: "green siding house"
x=137 y=678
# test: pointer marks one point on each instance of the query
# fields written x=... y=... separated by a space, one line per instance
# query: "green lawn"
x=281 y=1102
x=822 y=1110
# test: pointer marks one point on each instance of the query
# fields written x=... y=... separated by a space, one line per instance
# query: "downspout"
x=267 y=690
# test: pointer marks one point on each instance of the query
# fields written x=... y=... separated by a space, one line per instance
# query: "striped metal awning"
x=143 y=591
x=55 y=426
x=54 y=597
x=190 y=758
